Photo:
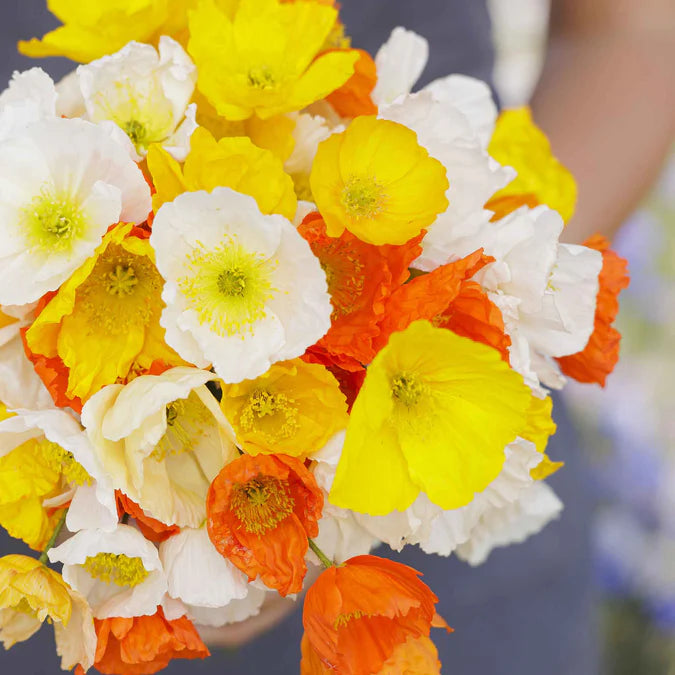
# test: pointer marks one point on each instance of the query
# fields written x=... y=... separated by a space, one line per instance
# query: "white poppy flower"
x=242 y=289
x=536 y=506
x=118 y=572
x=163 y=439
x=566 y=319
x=203 y=580
x=62 y=184
x=69 y=451
x=146 y=93
x=76 y=641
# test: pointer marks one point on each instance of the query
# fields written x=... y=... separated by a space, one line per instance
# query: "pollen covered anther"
x=262 y=503
x=118 y=569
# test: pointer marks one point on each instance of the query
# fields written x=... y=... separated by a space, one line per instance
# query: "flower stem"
x=325 y=561
x=43 y=558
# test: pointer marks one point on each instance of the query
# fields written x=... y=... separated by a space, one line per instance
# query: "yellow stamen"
x=363 y=197
x=122 y=291
x=261 y=78
x=275 y=415
x=262 y=503
x=115 y=568
x=187 y=422
x=63 y=462
x=228 y=287
x=53 y=222
x=343 y=619
x=408 y=388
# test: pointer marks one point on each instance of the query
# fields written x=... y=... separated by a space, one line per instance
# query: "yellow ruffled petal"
x=104 y=321
x=231 y=162
x=271 y=48
x=447 y=405
x=540 y=427
x=541 y=179
x=94 y=29
x=293 y=409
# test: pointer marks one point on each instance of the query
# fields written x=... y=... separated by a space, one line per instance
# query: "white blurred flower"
x=146 y=92
x=163 y=439
x=213 y=591
x=62 y=184
x=243 y=290
x=118 y=572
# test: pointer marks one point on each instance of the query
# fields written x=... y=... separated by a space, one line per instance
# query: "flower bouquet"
x=264 y=308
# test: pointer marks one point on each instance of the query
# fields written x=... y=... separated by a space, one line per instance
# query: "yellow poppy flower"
x=231 y=162
x=293 y=409
x=271 y=63
x=274 y=134
x=376 y=181
x=103 y=322
x=541 y=179
x=434 y=415
x=93 y=29
x=31 y=593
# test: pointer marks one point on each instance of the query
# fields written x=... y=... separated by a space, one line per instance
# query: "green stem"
x=325 y=561
x=55 y=534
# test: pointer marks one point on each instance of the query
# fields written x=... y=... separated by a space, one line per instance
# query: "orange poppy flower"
x=449 y=299
x=357 y=614
x=415 y=656
x=601 y=354
x=145 y=644
x=151 y=528
x=260 y=512
x=360 y=278
x=353 y=97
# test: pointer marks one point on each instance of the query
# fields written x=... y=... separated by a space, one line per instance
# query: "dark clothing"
x=528 y=610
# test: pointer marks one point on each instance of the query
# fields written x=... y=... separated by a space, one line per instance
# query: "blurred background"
x=629 y=427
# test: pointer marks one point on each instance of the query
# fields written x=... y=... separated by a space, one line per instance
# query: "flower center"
x=188 y=421
x=407 y=388
x=122 y=280
x=53 y=222
x=122 y=291
x=262 y=503
x=362 y=197
x=261 y=78
x=118 y=569
x=343 y=619
x=228 y=287
x=63 y=462
x=344 y=275
x=136 y=131
x=273 y=415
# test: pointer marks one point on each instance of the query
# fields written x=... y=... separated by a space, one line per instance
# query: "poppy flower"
x=597 y=360
x=378 y=182
x=145 y=644
x=356 y=615
x=518 y=142
x=360 y=278
x=260 y=512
